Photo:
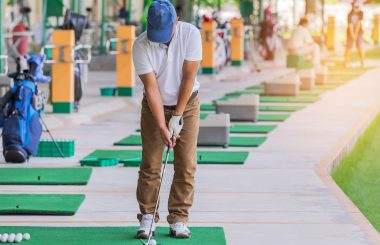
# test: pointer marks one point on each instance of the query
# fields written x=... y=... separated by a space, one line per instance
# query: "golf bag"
x=21 y=106
x=76 y=22
x=78 y=80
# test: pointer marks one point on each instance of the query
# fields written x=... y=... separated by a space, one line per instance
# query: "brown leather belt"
x=173 y=107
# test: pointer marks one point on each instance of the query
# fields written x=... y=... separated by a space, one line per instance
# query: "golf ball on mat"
x=26 y=236
x=4 y=237
x=11 y=237
x=152 y=242
x=18 y=237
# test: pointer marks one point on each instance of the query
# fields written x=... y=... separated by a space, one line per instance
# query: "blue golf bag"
x=21 y=106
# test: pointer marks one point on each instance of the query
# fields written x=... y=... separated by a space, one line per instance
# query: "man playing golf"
x=166 y=58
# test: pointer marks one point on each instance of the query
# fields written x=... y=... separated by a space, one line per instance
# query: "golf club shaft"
x=158 y=194
x=52 y=138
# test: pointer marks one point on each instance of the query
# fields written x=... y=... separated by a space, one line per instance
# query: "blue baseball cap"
x=161 y=19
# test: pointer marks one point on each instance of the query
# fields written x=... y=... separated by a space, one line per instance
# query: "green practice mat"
x=286 y=99
x=44 y=176
x=135 y=140
x=132 y=158
x=264 y=108
x=237 y=93
x=252 y=129
x=259 y=86
x=261 y=92
x=225 y=98
x=312 y=93
x=304 y=97
x=272 y=117
x=40 y=204
x=203 y=116
x=246 y=141
x=132 y=140
x=113 y=235
x=208 y=107
x=280 y=108
x=328 y=86
x=249 y=129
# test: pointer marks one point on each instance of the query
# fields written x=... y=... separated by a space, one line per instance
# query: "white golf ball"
x=152 y=242
x=18 y=237
x=4 y=237
x=26 y=236
x=11 y=237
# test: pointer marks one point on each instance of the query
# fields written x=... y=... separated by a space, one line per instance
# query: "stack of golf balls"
x=13 y=238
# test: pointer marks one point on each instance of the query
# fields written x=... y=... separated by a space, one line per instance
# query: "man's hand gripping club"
x=170 y=134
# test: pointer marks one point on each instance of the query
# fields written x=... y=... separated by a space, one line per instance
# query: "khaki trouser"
x=185 y=162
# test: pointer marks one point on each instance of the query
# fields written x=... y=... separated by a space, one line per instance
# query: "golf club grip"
x=167 y=153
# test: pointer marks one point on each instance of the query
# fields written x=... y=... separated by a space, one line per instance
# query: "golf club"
x=150 y=240
x=52 y=138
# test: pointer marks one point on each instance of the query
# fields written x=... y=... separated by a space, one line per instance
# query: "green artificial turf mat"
x=40 y=204
x=99 y=162
x=131 y=140
x=358 y=173
x=224 y=98
x=113 y=235
x=121 y=156
x=208 y=107
x=260 y=86
x=135 y=140
x=262 y=92
x=221 y=157
x=241 y=92
x=272 y=117
x=203 y=116
x=246 y=141
x=373 y=54
x=44 y=176
x=287 y=99
x=252 y=129
x=280 y=108
x=132 y=158
x=241 y=142
x=327 y=86
x=312 y=93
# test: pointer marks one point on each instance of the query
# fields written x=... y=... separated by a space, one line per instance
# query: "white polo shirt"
x=301 y=37
x=167 y=62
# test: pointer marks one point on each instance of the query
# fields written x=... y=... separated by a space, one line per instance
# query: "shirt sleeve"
x=194 y=46
x=307 y=37
x=141 y=60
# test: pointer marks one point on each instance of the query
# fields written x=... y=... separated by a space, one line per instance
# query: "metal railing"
x=61 y=50
x=4 y=61
x=114 y=41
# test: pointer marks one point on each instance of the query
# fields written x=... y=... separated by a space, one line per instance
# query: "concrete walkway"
x=277 y=197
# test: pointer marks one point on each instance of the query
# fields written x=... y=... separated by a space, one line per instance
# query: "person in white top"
x=166 y=58
x=302 y=43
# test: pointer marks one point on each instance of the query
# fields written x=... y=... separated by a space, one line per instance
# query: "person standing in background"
x=355 y=33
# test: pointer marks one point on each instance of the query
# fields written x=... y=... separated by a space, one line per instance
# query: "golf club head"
x=151 y=242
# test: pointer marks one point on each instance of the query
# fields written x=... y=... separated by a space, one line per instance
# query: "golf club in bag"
x=76 y=22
